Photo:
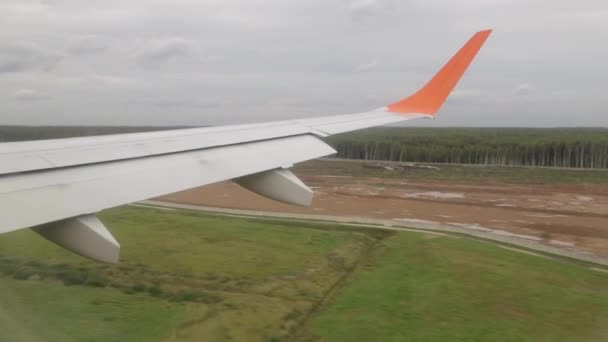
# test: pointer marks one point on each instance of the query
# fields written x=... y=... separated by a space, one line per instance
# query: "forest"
x=23 y=133
x=548 y=147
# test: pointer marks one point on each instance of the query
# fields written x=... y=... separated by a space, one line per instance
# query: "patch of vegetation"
x=419 y=289
x=239 y=276
x=73 y=277
x=194 y=296
x=97 y=280
x=50 y=311
x=23 y=273
x=137 y=288
x=155 y=291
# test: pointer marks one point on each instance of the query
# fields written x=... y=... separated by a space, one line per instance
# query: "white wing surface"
x=57 y=186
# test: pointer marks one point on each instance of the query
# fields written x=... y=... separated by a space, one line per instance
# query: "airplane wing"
x=57 y=186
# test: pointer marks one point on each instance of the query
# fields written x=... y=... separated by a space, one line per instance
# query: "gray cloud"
x=166 y=49
x=366 y=7
x=171 y=104
x=18 y=57
x=112 y=81
x=524 y=90
x=201 y=62
x=88 y=44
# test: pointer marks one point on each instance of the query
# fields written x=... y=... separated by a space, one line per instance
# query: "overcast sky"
x=209 y=62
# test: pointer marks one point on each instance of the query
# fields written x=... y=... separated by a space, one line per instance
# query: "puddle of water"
x=523 y=251
x=152 y=207
x=561 y=243
x=406 y=220
x=470 y=226
x=435 y=194
x=541 y=215
x=520 y=236
x=494 y=231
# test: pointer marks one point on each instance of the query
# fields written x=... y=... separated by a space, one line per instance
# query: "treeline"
x=552 y=147
x=23 y=133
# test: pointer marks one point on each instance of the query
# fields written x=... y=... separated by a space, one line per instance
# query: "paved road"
x=529 y=242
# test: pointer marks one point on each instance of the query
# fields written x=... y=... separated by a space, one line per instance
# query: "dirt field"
x=569 y=215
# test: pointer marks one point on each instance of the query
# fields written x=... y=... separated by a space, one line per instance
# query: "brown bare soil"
x=572 y=216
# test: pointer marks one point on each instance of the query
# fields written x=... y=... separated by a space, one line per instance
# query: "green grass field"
x=193 y=277
x=417 y=288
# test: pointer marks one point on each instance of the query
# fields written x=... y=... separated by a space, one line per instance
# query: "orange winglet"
x=429 y=98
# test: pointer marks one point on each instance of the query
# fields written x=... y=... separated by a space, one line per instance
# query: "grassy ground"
x=192 y=277
x=455 y=173
x=50 y=311
x=205 y=277
x=417 y=288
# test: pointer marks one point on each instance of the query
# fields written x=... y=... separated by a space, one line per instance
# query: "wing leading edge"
x=67 y=181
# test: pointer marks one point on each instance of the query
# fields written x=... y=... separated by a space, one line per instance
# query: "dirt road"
x=569 y=217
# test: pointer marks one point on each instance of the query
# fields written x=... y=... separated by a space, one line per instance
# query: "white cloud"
x=597 y=13
x=29 y=95
x=112 y=81
x=23 y=6
x=369 y=66
x=469 y=93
